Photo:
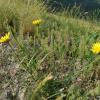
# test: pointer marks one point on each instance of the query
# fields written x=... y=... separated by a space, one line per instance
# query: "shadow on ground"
x=87 y=5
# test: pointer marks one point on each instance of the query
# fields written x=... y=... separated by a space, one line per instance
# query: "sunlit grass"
x=60 y=45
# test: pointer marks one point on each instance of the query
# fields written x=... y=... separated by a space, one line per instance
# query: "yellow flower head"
x=37 y=22
x=96 y=48
x=5 y=38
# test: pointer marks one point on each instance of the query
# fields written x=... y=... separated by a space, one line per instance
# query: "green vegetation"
x=51 y=58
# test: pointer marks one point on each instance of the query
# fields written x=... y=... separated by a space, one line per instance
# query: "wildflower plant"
x=96 y=48
x=37 y=35
x=37 y=22
x=5 y=38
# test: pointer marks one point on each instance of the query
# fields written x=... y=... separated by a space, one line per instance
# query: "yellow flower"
x=37 y=22
x=5 y=38
x=96 y=48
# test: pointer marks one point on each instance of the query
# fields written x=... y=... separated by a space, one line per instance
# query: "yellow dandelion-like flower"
x=96 y=48
x=5 y=38
x=37 y=22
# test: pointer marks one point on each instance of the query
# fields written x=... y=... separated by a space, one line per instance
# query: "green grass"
x=62 y=47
